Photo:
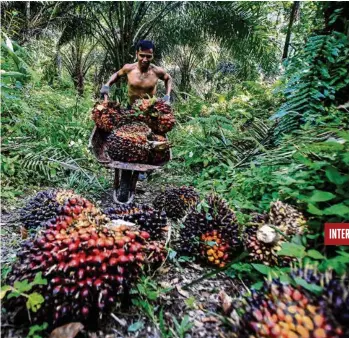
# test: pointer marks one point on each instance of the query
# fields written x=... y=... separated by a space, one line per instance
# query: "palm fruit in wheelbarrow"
x=157 y=114
x=89 y=266
x=109 y=115
x=105 y=115
x=147 y=218
x=176 y=201
x=280 y=310
x=129 y=143
x=160 y=153
x=210 y=232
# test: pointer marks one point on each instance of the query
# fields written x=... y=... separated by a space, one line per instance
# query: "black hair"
x=145 y=44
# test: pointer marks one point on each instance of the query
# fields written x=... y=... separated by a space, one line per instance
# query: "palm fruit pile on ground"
x=263 y=242
x=110 y=115
x=129 y=143
x=280 y=310
x=147 y=218
x=176 y=201
x=210 y=234
x=89 y=264
x=158 y=115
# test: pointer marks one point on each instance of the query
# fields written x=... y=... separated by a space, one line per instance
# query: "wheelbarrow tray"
x=97 y=144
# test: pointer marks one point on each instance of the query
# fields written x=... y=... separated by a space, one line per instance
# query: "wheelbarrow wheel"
x=125 y=189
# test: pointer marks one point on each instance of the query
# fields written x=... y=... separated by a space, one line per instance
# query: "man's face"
x=145 y=56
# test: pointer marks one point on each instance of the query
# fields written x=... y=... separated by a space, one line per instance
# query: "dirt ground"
x=199 y=302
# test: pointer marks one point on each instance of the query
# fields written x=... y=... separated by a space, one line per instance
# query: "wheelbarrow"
x=125 y=174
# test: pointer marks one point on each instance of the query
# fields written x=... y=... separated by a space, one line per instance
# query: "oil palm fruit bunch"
x=214 y=248
x=280 y=310
x=88 y=265
x=105 y=115
x=43 y=206
x=129 y=143
x=262 y=242
x=157 y=114
x=216 y=221
x=161 y=153
x=261 y=239
x=147 y=218
x=39 y=209
x=286 y=218
x=335 y=295
x=176 y=201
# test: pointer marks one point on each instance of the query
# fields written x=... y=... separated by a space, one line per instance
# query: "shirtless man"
x=142 y=76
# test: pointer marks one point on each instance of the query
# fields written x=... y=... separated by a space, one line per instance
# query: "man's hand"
x=104 y=91
x=166 y=98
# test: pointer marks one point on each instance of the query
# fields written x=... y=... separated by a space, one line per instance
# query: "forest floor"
x=199 y=302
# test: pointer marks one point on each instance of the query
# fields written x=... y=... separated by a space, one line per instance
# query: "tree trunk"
x=59 y=64
x=294 y=10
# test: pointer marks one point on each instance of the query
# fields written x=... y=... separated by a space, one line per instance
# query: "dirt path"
x=199 y=302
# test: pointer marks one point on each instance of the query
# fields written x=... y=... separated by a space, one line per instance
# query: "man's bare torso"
x=141 y=84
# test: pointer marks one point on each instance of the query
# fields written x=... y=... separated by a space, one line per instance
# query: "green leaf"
x=310 y=287
x=4 y=290
x=152 y=295
x=263 y=269
x=38 y=280
x=34 y=301
x=314 y=210
x=321 y=196
x=22 y=286
x=315 y=254
x=136 y=326
x=257 y=286
x=13 y=294
x=335 y=177
x=36 y=328
x=292 y=250
x=339 y=209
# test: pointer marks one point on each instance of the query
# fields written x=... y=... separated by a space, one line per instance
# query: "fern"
x=316 y=77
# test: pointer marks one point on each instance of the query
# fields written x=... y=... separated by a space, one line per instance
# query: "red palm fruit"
x=144 y=235
x=103 y=268
x=139 y=257
x=85 y=311
x=120 y=243
x=131 y=258
x=123 y=260
x=133 y=248
x=119 y=280
x=73 y=247
x=113 y=261
x=98 y=283
x=97 y=260
x=100 y=243
x=109 y=243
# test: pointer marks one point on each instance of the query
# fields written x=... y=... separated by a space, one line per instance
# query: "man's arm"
x=122 y=72
x=163 y=75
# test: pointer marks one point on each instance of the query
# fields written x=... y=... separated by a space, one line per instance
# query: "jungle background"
x=260 y=97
